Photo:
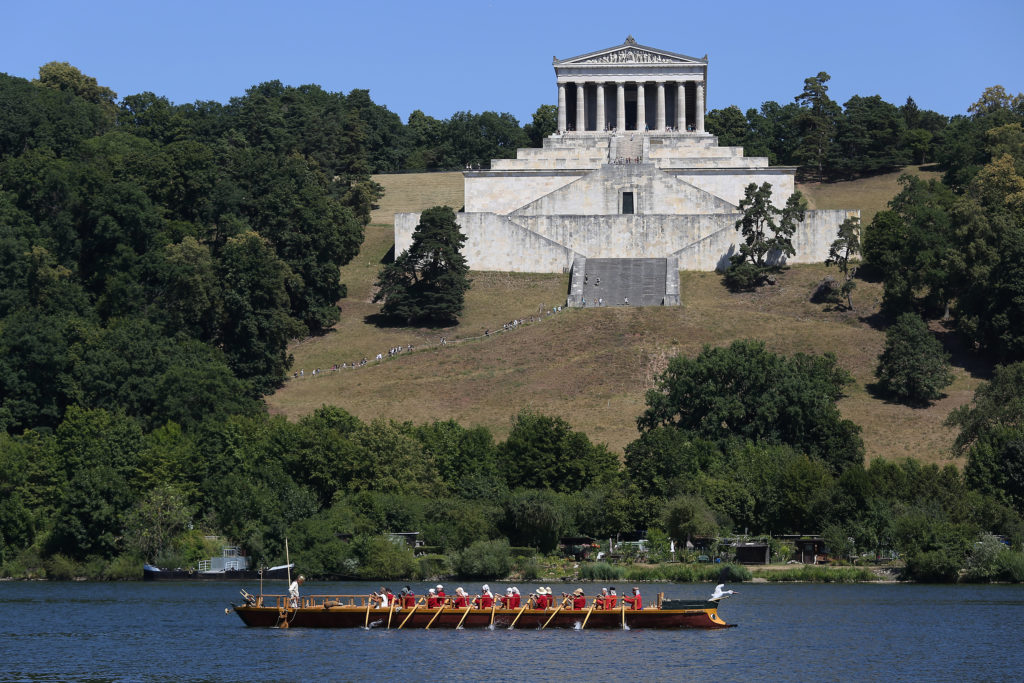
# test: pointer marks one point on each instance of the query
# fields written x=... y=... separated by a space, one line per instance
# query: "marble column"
x=681 y=106
x=581 y=121
x=659 y=121
x=641 y=108
x=700 y=107
x=620 y=107
x=600 y=107
x=561 y=107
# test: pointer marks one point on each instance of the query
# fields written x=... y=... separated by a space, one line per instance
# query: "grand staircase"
x=624 y=282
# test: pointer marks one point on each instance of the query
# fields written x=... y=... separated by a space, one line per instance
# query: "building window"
x=627 y=202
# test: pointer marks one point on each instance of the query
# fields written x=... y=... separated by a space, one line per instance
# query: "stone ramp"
x=624 y=281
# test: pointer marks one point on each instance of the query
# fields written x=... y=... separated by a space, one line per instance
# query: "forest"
x=157 y=259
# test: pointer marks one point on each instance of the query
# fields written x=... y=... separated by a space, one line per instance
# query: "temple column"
x=620 y=107
x=681 y=106
x=581 y=122
x=659 y=121
x=600 y=107
x=700 y=107
x=561 y=107
x=641 y=108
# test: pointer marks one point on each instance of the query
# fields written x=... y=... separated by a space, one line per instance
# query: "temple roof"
x=630 y=52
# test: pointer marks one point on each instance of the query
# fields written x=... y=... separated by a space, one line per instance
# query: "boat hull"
x=450 y=617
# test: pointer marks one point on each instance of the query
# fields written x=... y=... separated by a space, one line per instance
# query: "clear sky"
x=442 y=57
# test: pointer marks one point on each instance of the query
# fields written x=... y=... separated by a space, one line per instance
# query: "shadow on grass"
x=381 y=321
x=876 y=391
x=961 y=355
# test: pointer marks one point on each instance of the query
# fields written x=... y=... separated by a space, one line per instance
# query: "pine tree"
x=427 y=282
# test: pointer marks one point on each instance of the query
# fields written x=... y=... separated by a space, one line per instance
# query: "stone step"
x=624 y=282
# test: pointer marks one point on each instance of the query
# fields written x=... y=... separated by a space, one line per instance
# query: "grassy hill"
x=593 y=366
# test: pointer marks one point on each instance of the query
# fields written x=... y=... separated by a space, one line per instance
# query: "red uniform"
x=506 y=601
x=462 y=601
x=485 y=601
x=410 y=600
x=635 y=602
x=609 y=601
x=542 y=602
x=434 y=602
x=579 y=602
x=391 y=598
x=514 y=604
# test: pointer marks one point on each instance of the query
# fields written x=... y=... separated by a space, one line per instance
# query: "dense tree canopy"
x=745 y=390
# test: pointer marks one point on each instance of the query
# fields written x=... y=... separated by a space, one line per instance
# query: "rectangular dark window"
x=627 y=202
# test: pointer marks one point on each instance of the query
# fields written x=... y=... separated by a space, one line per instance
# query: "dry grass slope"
x=593 y=366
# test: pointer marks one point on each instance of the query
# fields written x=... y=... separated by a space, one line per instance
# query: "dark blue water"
x=805 y=632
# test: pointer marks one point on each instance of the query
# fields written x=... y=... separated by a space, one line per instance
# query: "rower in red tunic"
x=461 y=598
x=516 y=598
x=579 y=600
x=486 y=599
x=408 y=598
x=541 y=601
x=433 y=602
x=440 y=593
x=635 y=602
x=507 y=599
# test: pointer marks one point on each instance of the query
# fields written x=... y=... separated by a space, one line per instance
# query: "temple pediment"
x=630 y=52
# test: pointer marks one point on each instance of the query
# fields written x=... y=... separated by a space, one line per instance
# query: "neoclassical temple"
x=628 y=191
x=631 y=88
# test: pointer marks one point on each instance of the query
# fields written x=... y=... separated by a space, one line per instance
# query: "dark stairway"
x=625 y=281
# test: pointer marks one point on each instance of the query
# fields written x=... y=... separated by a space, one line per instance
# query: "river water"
x=807 y=632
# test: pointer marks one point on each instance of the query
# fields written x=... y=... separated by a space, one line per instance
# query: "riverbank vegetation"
x=158 y=260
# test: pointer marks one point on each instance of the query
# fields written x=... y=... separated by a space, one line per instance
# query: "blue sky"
x=442 y=57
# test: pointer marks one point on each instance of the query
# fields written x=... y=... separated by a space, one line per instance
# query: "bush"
x=727 y=573
x=61 y=568
x=932 y=566
x=1010 y=566
x=522 y=551
x=913 y=368
x=379 y=558
x=528 y=568
x=601 y=571
x=124 y=568
x=743 y=277
x=432 y=567
x=485 y=560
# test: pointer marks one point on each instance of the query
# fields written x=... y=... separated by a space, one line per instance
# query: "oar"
x=592 y=606
x=411 y=612
x=623 y=614
x=366 y=623
x=391 y=611
x=494 y=606
x=519 y=615
x=557 y=610
x=464 y=615
x=431 y=622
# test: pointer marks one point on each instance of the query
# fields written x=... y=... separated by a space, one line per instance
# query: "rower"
x=440 y=593
x=506 y=599
x=433 y=601
x=542 y=599
x=486 y=598
x=579 y=601
x=602 y=600
x=635 y=602
x=516 y=598
x=461 y=598
x=609 y=602
x=408 y=597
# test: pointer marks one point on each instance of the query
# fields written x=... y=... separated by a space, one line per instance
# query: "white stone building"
x=631 y=174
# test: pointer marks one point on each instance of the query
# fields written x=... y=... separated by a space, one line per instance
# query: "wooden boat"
x=355 y=611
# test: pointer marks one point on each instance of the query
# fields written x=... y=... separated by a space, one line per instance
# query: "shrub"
x=601 y=571
x=1010 y=566
x=528 y=568
x=62 y=568
x=432 y=566
x=817 y=574
x=378 y=557
x=727 y=573
x=743 y=277
x=932 y=566
x=913 y=368
x=124 y=568
x=485 y=560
